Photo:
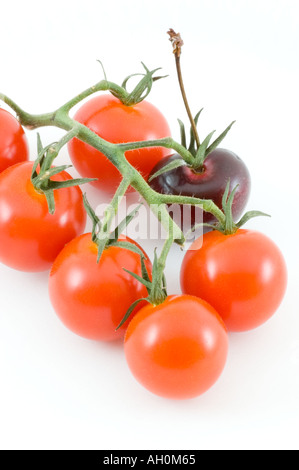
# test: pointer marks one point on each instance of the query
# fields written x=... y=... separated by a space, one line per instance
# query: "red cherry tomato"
x=92 y=298
x=13 y=141
x=117 y=123
x=244 y=276
x=177 y=349
x=30 y=237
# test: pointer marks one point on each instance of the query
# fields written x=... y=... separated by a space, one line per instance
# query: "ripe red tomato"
x=13 y=141
x=117 y=123
x=30 y=237
x=177 y=349
x=92 y=298
x=244 y=276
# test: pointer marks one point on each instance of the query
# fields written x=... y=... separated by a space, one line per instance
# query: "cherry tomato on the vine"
x=177 y=349
x=117 y=123
x=14 y=146
x=243 y=276
x=30 y=237
x=91 y=298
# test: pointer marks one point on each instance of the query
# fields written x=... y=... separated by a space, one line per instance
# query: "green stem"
x=158 y=295
x=103 y=85
x=206 y=204
x=66 y=138
x=54 y=150
x=166 y=142
x=19 y=111
x=116 y=154
x=110 y=213
x=112 y=208
x=31 y=121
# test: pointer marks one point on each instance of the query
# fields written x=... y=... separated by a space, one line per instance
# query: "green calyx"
x=141 y=90
x=198 y=153
x=229 y=226
x=41 y=178
x=156 y=287
x=201 y=151
x=105 y=239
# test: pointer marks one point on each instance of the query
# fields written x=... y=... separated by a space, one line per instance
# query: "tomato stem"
x=110 y=212
x=177 y=43
x=166 y=142
x=103 y=85
x=116 y=154
x=30 y=121
x=158 y=291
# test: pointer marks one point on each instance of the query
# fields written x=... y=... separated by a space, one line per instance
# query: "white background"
x=240 y=61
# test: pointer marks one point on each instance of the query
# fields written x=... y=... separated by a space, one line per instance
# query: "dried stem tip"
x=176 y=41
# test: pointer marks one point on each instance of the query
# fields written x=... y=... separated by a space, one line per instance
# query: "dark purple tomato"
x=219 y=167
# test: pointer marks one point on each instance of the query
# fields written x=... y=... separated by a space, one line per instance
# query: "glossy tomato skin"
x=178 y=349
x=243 y=276
x=14 y=146
x=30 y=237
x=92 y=298
x=219 y=167
x=117 y=123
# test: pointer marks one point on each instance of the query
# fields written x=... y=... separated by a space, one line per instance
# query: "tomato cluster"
x=233 y=281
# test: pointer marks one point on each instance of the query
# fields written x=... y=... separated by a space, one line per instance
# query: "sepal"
x=141 y=90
